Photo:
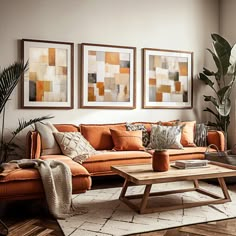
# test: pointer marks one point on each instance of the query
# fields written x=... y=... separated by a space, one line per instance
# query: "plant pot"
x=160 y=160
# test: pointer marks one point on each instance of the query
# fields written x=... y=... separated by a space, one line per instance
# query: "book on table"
x=184 y=164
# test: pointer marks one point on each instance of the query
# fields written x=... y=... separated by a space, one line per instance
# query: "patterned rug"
x=101 y=213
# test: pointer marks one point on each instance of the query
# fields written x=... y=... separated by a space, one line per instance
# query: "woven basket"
x=223 y=157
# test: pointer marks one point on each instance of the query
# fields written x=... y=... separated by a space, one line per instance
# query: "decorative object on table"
x=49 y=81
x=167 y=78
x=108 y=76
x=160 y=160
x=188 y=164
x=220 y=82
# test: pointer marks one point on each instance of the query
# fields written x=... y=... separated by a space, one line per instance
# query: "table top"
x=143 y=173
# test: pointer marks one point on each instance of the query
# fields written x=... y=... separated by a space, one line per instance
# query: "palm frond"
x=22 y=124
x=9 y=78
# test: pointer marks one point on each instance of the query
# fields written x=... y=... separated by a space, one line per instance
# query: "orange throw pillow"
x=99 y=135
x=127 y=140
x=187 y=137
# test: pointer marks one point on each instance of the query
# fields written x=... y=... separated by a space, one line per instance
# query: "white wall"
x=166 y=24
x=227 y=30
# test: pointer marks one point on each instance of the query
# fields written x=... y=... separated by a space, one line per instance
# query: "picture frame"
x=49 y=81
x=167 y=79
x=108 y=76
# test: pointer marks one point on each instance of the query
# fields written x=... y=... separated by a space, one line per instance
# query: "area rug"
x=102 y=213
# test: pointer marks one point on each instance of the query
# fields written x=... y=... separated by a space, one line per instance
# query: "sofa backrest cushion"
x=49 y=145
x=67 y=128
x=99 y=135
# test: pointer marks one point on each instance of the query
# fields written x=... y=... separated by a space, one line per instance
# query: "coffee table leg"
x=224 y=188
x=124 y=189
x=196 y=184
x=145 y=198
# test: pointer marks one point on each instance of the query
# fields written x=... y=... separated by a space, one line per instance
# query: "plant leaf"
x=224 y=93
x=206 y=80
x=211 y=99
x=223 y=56
x=224 y=108
x=208 y=72
x=221 y=40
x=9 y=78
x=212 y=112
x=217 y=62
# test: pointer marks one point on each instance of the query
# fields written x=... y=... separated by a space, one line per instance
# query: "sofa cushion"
x=76 y=168
x=187 y=137
x=101 y=162
x=99 y=135
x=127 y=140
x=74 y=145
x=165 y=137
x=145 y=133
x=48 y=142
x=31 y=173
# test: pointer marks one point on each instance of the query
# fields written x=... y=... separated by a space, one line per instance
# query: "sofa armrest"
x=33 y=145
x=216 y=137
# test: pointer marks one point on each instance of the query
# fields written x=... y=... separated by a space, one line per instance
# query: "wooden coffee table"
x=143 y=174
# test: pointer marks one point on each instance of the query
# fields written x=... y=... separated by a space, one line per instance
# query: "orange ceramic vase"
x=160 y=160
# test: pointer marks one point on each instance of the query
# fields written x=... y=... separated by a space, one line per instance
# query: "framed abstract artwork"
x=108 y=76
x=167 y=78
x=48 y=83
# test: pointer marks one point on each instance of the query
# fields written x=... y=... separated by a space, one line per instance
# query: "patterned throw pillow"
x=200 y=138
x=74 y=145
x=164 y=137
x=145 y=134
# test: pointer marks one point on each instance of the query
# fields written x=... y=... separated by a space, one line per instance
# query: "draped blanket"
x=57 y=182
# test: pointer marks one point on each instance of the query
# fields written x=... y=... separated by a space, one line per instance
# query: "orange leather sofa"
x=26 y=183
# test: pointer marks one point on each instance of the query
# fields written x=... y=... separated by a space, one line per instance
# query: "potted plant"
x=9 y=78
x=220 y=81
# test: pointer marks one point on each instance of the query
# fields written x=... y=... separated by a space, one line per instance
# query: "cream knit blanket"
x=57 y=182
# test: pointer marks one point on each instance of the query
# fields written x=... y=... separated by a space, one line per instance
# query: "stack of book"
x=187 y=164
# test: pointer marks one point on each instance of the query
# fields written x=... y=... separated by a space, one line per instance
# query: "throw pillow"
x=200 y=138
x=49 y=144
x=127 y=140
x=164 y=137
x=74 y=145
x=145 y=134
x=187 y=137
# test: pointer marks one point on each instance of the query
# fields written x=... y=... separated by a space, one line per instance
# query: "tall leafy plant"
x=9 y=78
x=220 y=81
